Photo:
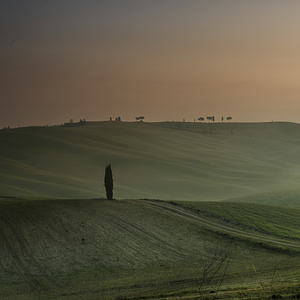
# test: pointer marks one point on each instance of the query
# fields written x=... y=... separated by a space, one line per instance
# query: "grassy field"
x=100 y=249
x=171 y=160
x=275 y=220
x=287 y=198
x=228 y=226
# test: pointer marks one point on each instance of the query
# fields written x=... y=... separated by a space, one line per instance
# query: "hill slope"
x=287 y=198
x=188 y=161
x=101 y=249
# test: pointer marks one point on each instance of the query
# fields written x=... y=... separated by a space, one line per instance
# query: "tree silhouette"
x=108 y=182
x=201 y=119
x=229 y=118
x=140 y=118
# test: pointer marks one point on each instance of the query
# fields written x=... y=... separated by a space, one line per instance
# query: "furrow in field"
x=189 y=215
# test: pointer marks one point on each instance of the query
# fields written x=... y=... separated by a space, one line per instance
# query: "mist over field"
x=170 y=160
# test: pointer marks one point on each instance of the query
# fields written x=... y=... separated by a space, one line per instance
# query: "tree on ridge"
x=140 y=118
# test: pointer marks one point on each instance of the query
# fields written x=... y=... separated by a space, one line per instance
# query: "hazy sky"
x=164 y=59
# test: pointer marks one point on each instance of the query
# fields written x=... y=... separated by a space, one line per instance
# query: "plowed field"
x=93 y=249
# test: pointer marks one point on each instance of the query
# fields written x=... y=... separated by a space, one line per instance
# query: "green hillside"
x=258 y=218
x=100 y=249
x=171 y=160
x=288 y=198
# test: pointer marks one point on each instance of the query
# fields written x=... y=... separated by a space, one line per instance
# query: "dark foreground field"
x=100 y=249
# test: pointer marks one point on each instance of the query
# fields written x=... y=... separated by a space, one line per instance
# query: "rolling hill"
x=90 y=248
x=169 y=160
x=287 y=198
x=100 y=249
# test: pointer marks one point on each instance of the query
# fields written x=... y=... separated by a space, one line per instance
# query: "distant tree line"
x=212 y=118
x=117 y=119
x=201 y=119
x=71 y=123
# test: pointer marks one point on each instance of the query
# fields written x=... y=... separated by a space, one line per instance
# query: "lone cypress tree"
x=108 y=182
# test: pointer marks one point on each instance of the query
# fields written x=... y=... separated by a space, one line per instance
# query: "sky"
x=162 y=59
